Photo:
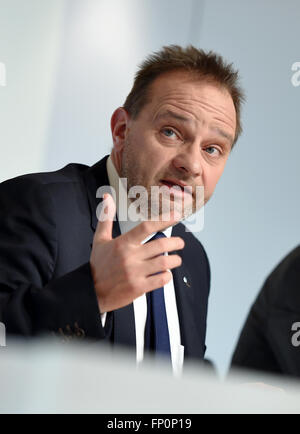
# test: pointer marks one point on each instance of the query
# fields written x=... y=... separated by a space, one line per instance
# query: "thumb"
x=106 y=219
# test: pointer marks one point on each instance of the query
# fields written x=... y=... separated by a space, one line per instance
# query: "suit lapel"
x=123 y=319
x=95 y=177
x=191 y=337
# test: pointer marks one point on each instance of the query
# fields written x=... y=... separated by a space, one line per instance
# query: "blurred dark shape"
x=270 y=338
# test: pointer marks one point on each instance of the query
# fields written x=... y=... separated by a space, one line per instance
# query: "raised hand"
x=123 y=268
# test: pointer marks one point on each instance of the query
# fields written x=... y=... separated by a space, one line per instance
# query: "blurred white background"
x=70 y=63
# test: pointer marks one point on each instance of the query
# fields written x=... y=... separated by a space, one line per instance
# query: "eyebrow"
x=174 y=115
x=223 y=134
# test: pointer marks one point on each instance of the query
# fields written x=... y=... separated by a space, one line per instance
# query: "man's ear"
x=119 y=128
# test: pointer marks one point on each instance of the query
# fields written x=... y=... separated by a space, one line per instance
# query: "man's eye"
x=212 y=150
x=168 y=132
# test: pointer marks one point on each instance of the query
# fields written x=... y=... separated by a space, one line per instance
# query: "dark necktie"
x=156 y=330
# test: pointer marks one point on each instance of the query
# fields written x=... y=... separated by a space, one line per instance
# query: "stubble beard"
x=154 y=206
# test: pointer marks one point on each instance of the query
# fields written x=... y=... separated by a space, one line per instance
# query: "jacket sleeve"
x=31 y=302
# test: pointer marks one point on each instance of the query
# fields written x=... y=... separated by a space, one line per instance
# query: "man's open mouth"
x=178 y=184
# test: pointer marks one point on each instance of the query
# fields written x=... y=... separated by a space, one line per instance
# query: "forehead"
x=190 y=94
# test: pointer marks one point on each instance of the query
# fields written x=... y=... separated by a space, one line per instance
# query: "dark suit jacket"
x=265 y=343
x=47 y=223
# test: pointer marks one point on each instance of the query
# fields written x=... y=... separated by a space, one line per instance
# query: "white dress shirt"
x=140 y=303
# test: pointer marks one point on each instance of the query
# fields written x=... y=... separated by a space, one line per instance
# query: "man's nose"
x=189 y=161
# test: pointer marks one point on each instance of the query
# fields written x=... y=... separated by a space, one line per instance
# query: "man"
x=270 y=339
x=176 y=130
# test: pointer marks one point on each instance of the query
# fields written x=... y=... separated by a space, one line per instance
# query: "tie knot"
x=158 y=235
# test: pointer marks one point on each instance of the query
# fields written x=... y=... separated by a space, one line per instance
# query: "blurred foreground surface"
x=47 y=377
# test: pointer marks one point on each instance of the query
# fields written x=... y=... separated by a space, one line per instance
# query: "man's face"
x=182 y=136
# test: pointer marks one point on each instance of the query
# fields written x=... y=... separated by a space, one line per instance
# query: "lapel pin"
x=186 y=281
